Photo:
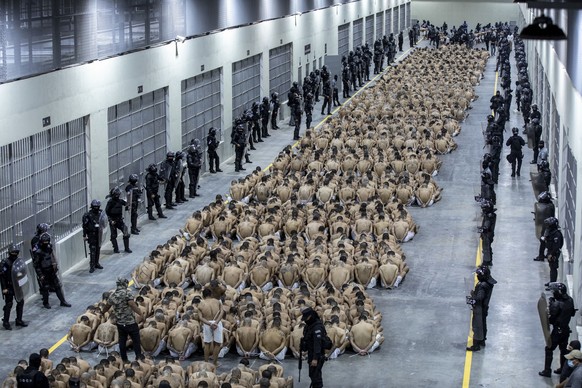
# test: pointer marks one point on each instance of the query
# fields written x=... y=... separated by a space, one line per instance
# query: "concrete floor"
x=426 y=321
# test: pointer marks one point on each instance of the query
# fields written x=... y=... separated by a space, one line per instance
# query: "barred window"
x=201 y=107
x=358 y=33
x=43 y=179
x=280 y=59
x=343 y=44
x=379 y=25
x=370 y=30
x=246 y=84
x=137 y=136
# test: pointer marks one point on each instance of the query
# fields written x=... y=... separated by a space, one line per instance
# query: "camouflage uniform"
x=125 y=321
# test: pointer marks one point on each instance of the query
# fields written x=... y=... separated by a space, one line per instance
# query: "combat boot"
x=20 y=322
x=61 y=296
x=6 y=325
x=247 y=159
x=126 y=245
x=115 y=246
x=91 y=266
x=151 y=215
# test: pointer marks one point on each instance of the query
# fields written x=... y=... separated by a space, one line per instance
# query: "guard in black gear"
x=265 y=113
x=308 y=108
x=561 y=310
x=194 y=162
x=256 y=119
x=544 y=169
x=554 y=241
x=180 y=167
x=91 y=233
x=479 y=301
x=275 y=110
x=335 y=91
x=312 y=342
x=401 y=41
x=294 y=90
x=296 y=111
x=536 y=128
x=496 y=101
x=133 y=192
x=515 y=156
x=317 y=85
x=212 y=146
x=32 y=377
x=239 y=142
x=346 y=81
x=325 y=75
x=487 y=230
x=326 y=98
x=169 y=175
x=114 y=211
x=45 y=265
x=544 y=207
x=153 y=180
x=8 y=289
x=40 y=229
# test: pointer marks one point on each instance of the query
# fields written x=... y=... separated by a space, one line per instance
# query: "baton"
x=85 y=246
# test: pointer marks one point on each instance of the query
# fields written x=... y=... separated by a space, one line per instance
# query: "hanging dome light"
x=543 y=28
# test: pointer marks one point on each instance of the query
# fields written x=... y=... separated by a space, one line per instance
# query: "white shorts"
x=279 y=356
x=209 y=335
x=252 y=353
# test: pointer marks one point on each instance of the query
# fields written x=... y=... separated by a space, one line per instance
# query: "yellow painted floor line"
x=478 y=261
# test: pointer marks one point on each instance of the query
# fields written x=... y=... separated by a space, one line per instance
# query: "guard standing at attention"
x=480 y=304
x=10 y=289
x=275 y=110
x=180 y=166
x=169 y=175
x=133 y=193
x=93 y=224
x=212 y=146
x=561 y=310
x=312 y=342
x=194 y=162
x=45 y=265
x=114 y=211
x=554 y=241
x=152 y=187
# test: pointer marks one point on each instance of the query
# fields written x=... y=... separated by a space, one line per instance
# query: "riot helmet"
x=535 y=120
x=152 y=168
x=514 y=130
x=295 y=84
x=551 y=223
x=95 y=204
x=179 y=154
x=44 y=239
x=133 y=178
x=265 y=100
x=13 y=250
x=324 y=68
x=42 y=228
x=115 y=192
x=545 y=197
x=490 y=117
x=541 y=144
x=481 y=276
x=544 y=165
x=534 y=106
x=274 y=95
x=212 y=131
x=559 y=289
x=170 y=155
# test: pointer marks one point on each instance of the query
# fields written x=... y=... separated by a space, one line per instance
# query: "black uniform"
x=114 y=211
x=265 y=112
x=480 y=297
x=335 y=91
x=554 y=240
x=275 y=110
x=239 y=142
x=169 y=175
x=212 y=146
x=308 y=108
x=133 y=190
x=91 y=229
x=401 y=41
x=152 y=182
x=8 y=291
x=296 y=112
x=561 y=309
x=32 y=376
x=326 y=98
x=346 y=81
x=256 y=118
x=516 y=142
x=180 y=167
x=46 y=269
x=194 y=162
x=312 y=342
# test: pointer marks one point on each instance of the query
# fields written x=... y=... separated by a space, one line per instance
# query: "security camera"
x=180 y=38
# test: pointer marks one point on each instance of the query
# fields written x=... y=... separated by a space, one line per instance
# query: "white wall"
x=455 y=12
x=569 y=109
